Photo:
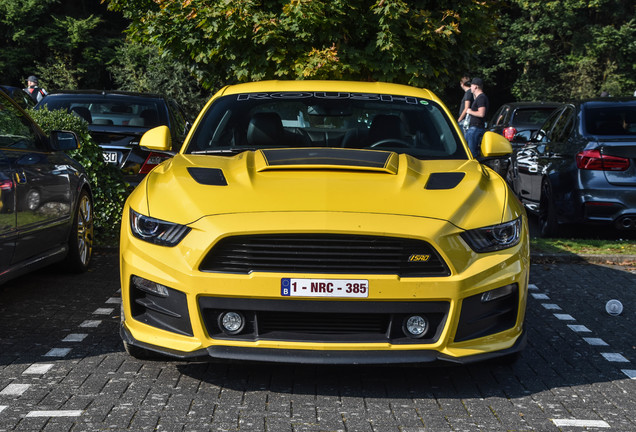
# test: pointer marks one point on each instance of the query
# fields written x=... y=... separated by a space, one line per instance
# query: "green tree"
x=67 y=43
x=564 y=49
x=424 y=43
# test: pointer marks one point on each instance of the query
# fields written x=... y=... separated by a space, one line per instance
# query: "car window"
x=610 y=120
x=137 y=112
x=499 y=118
x=16 y=131
x=528 y=117
x=563 y=126
x=409 y=125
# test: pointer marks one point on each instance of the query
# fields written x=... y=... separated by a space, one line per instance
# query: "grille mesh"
x=317 y=253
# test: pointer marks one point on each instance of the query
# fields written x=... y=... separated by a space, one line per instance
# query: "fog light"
x=231 y=322
x=498 y=293
x=149 y=286
x=415 y=326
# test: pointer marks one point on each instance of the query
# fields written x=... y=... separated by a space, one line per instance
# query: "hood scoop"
x=328 y=159
x=208 y=176
x=444 y=180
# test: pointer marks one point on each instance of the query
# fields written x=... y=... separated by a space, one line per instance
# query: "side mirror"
x=157 y=139
x=64 y=140
x=495 y=145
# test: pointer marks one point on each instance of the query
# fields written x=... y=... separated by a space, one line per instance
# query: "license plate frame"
x=330 y=288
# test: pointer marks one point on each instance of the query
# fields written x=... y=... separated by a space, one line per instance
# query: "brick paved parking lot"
x=62 y=367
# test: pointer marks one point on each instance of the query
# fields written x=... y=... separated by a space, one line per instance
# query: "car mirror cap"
x=157 y=139
x=495 y=145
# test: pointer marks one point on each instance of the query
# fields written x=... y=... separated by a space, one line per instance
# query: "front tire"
x=548 y=222
x=80 y=240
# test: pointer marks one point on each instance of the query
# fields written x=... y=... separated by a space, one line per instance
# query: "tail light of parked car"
x=152 y=161
x=595 y=160
x=509 y=133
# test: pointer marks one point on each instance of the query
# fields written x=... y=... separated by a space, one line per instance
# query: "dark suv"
x=117 y=120
x=581 y=166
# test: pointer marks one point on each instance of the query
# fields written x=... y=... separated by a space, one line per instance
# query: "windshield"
x=418 y=127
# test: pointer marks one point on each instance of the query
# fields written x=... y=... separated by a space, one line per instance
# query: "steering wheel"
x=390 y=142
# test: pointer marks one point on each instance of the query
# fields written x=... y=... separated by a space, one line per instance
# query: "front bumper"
x=183 y=324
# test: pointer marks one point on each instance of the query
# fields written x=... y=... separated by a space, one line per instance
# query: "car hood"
x=189 y=187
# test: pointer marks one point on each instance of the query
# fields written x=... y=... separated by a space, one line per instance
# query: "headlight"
x=495 y=237
x=156 y=231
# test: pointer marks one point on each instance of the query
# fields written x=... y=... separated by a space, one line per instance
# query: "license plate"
x=292 y=287
x=110 y=157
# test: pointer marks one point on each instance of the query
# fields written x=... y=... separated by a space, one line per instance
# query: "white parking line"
x=580 y=423
x=551 y=306
x=90 y=323
x=113 y=300
x=59 y=413
x=37 y=369
x=615 y=357
x=631 y=373
x=579 y=328
x=14 y=389
x=532 y=287
x=58 y=352
x=3 y=407
x=540 y=296
x=595 y=341
x=564 y=317
x=75 y=337
x=103 y=311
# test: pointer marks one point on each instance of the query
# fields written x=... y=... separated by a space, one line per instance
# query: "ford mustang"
x=324 y=222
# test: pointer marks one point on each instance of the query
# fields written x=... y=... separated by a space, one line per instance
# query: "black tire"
x=80 y=239
x=548 y=223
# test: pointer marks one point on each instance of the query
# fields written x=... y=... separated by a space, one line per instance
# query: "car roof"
x=327 y=86
x=529 y=104
x=105 y=93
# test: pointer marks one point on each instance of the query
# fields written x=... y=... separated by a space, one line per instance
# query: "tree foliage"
x=421 y=43
x=566 y=49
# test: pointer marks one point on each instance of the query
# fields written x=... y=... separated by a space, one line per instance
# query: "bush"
x=108 y=185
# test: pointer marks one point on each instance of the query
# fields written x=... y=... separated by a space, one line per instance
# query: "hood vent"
x=444 y=180
x=330 y=158
x=208 y=176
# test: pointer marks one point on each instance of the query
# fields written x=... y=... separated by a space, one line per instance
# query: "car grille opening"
x=318 y=253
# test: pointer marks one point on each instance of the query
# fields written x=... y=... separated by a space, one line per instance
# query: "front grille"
x=318 y=253
x=322 y=321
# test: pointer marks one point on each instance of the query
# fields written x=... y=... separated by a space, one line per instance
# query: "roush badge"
x=419 y=258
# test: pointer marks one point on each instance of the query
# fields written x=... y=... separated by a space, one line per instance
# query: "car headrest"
x=265 y=129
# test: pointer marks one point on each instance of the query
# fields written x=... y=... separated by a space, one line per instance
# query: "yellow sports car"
x=324 y=222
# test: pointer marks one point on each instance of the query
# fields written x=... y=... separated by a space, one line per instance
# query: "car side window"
x=563 y=126
x=16 y=131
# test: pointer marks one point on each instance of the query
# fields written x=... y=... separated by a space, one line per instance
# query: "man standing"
x=477 y=112
x=36 y=92
x=465 y=104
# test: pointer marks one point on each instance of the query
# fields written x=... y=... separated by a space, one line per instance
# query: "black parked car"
x=18 y=95
x=46 y=205
x=580 y=166
x=516 y=121
x=117 y=120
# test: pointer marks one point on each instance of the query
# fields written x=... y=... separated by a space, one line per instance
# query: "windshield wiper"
x=234 y=150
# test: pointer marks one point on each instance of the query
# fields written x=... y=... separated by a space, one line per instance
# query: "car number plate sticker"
x=110 y=157
x=292 y=287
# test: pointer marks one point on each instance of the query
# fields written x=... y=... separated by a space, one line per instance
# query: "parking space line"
x=580 y=423
x=615 y=357
x=564 y=317
x=595 y=341
x=90 y=323
x=579 y=328
x=58 y=352
x=59 y=413
x=113 y=300
x=75 y=337
x=537 y=296
x=103 y=311
x=37 y=369
x=631 y=373
x=3 y=407
x=14 y=389
x=551 y=306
